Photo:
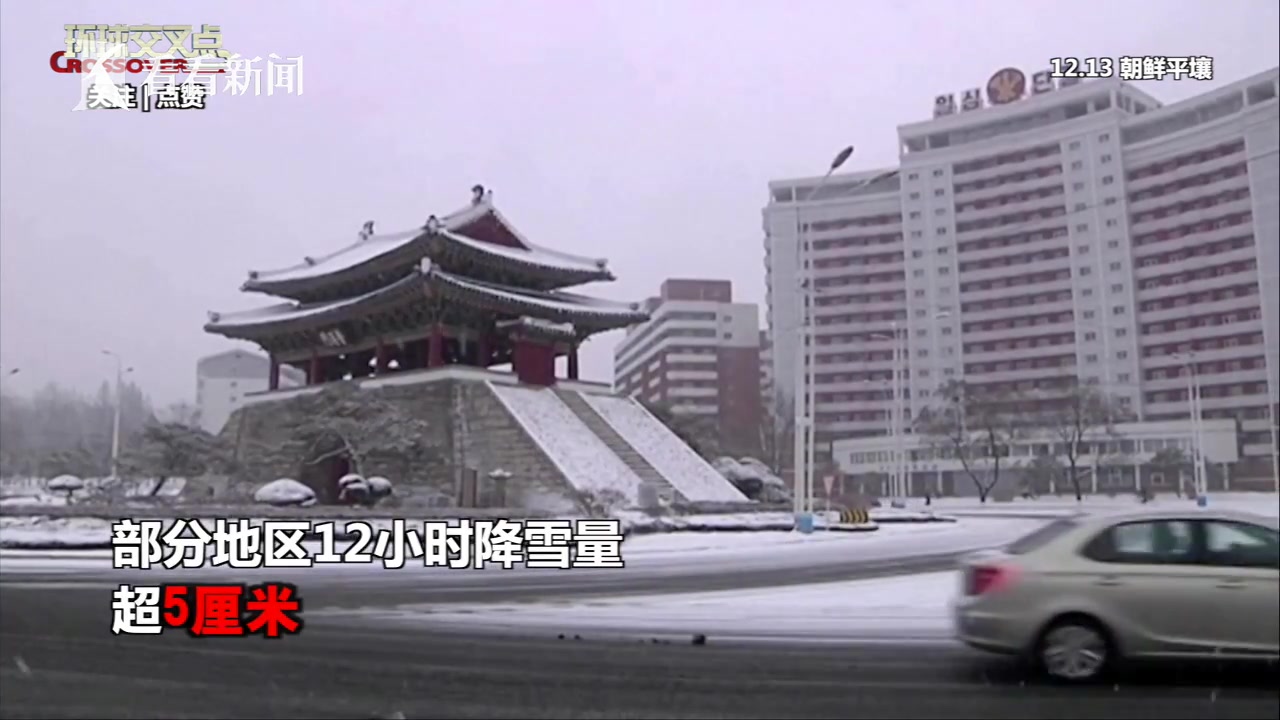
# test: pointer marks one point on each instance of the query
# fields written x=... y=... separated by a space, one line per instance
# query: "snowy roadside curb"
x=94 y=533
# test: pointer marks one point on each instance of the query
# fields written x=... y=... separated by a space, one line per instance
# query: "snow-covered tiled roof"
x=290 y=311
x=553 y=302
x=547 y=326
x=538 y=256
x=364 y=250
x=370 y=247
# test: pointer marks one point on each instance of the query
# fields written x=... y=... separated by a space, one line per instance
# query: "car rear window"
x=1041 y=536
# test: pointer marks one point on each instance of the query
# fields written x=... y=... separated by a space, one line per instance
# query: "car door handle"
x=1231 y=584
x=1108 y=582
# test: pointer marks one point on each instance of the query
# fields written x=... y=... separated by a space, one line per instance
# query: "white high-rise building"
x=223 y=380
x=1077 y=233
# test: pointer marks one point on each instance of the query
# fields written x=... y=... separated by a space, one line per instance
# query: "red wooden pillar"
x=273 y=374
x=435 y=347
x=313 y=372
x=482 y=351
x=573 y=362
x=380 y=358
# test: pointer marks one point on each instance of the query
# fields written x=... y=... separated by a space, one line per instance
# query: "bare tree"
x=777 y=434
x=1084 y=415
x=182 y=413
x=974 y=427
x=344 y=421
x=174 y=449
x=1041 y=473
x=1171 y=461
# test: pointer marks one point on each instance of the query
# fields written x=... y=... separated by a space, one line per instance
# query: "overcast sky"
x=642 y=131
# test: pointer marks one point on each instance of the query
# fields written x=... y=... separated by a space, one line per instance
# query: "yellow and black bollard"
x=854 y=516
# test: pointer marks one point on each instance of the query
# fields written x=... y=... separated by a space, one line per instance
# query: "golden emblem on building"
x=1006 y=86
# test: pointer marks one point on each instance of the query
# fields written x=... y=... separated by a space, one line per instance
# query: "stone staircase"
x=619 y=446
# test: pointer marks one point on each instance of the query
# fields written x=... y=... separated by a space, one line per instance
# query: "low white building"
x=223 y=380
x=1118 y=457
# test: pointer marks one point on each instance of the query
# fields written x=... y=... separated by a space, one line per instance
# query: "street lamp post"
x=802 y=394
x=1198 y=470
x=115 y=419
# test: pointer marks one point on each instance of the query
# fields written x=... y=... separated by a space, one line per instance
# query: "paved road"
x=57 y=660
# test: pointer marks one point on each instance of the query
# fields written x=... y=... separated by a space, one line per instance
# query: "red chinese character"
x=274 y=609
x=218 y=610
x=177 y=611
x=173 y=65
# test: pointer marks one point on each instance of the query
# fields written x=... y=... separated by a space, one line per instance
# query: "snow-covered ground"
x=35 y=491
x=1260 y=503
x=687 y=472
x=894 y=608
x=674 y=552
x=582 y=457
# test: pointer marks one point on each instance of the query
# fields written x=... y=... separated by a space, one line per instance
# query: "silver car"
x=1080 y=593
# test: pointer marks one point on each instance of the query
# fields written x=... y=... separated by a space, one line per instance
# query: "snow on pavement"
x=903 y=607
x=580 y=456
x=661 y=553
x=1051 y=506
x=687 y=472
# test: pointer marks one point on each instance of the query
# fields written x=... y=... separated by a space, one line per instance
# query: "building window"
x=1090 y=337
x=1077 y=165
x=940 y=211
x=1115 y=267
x=1113 y=244
x=1121 y=332
x=1091 y=359
x=1118 y=287
x=942 y=231
x=944 y=250
x=1088 y=314
x=1082 y=227
x=913 y=176
x=1109 y=201
x=1122 y=354
x=1123 y=377
x=919 y=293
x=937 y=173
x=1082 y=249
x=1108 y=179
x=917 y=273
x=1075 y=145
x=1117 y=310
x=915 y=196
x=917 y=253
x=915 y=214
x=1104 y=137
x=1077 y=186
x=1080 y=207
x=939 y=192
x=1084 y=271
x=1111 y=222
x=1106 y=158
x=944 y=270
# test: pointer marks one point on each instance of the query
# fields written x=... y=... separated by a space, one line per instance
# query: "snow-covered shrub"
x=379 y=487
x=67 y=484
x=353 y=489
x=753 y=479
x=285 y=492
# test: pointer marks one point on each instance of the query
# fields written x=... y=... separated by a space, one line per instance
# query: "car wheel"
x=1075 y=650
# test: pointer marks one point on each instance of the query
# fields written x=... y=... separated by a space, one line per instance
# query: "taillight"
x=989 y=578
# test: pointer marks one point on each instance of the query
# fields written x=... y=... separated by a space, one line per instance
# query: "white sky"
x=642 y=131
